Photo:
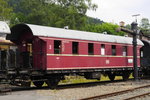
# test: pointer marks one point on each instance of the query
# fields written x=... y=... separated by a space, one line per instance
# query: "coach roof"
x=4 y=28
x=45 y=31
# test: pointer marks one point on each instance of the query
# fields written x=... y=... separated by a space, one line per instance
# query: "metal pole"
x=134 y=28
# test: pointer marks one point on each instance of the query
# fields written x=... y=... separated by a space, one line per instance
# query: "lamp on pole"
x=136 y=15
x=122 y=23
x=135 y=32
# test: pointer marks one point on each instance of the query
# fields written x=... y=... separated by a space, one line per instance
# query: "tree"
x=108 y=28
x=145 y=25
x=92 y=20
x=128 y=26
x=56 y=13
x=75 y=10
x=5 y=11
x=60 y=13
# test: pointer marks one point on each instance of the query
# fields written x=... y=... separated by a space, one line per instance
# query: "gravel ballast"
x=73 y=93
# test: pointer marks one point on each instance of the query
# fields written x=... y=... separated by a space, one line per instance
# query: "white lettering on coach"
x=50 y=46
x=130 y=60
x=107 y=61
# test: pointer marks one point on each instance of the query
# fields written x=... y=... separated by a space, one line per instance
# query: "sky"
x=115 y=11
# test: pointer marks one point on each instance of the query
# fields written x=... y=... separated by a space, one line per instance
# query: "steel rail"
x=137 y=96
x=16 y=88
x=114 y=93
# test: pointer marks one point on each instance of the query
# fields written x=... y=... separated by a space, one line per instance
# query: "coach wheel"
x=53 y=83
x=25 y=84
x=125 y=76
x=38 y=83
x=141 y=74
x=111 y=76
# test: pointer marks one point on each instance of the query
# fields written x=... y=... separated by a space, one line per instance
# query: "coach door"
x=39 y=54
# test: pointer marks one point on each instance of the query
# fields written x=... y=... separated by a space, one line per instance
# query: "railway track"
x=138 y=96
x=10 y=88
x=4 y=89
x=117 y=95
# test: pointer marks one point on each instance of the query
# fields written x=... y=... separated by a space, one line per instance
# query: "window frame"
x=90 y=48
x=113 y=50
x=75 y=47
x=57 y=47
x=103 y=49
x=125 y=50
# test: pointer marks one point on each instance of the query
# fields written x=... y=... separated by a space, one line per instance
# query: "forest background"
x=60 y=13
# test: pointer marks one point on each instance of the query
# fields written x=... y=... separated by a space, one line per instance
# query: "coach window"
x=113 y=50
x=57 y=46
x=75 y=48
x=90 y=48
x=124 y=53
x=102 y=49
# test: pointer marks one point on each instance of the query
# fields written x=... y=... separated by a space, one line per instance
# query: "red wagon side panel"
x=39 y=54
x=119 y=50
x=49 y=48
x=67 y=60
x=83 y=49
x=75 y=62
x=97 y=49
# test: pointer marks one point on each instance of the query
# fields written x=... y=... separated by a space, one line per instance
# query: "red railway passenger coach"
x=48 y=54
